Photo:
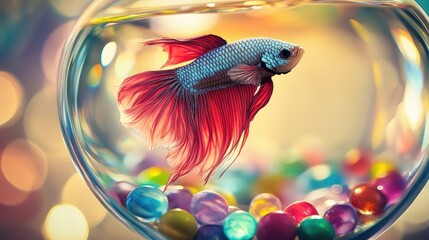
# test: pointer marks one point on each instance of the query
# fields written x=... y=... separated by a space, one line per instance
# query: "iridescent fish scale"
x=210 y=70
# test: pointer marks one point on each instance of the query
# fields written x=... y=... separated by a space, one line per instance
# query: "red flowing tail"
x=202 y=131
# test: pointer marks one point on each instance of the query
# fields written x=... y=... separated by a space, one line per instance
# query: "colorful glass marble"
x=319 y=176
x=210 y=232
x=291 y=165
x=379 y=169
x=209 y=207
x=147 y=202
x=154 y=176
x=392 y=185
x=300 y=210
x=178 y=197
x=240 y=225
x=343 y=218
x=271 y=183
x=277 y=226
x=323 y=198
x=367 y=199
x=178 y=224
x=263 y=204
x=357 y=162
x=120 y=191
x=315 y=227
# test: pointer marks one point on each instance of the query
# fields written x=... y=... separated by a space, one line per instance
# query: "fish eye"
x=285 y=53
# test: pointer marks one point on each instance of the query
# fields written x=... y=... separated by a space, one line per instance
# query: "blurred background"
x=41 y=194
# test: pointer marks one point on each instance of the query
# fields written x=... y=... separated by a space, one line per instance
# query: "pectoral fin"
x=245 y=74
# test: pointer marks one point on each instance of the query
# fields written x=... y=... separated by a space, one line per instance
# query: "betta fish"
x=201 y=110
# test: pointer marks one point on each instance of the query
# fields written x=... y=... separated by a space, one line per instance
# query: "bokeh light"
x=321 y=172
x=65 y=222
x=406 y=44
x=10 y=195
x=24 y=165
x=41 y=124
x=76 y=192
x=11 y=97
x=52 y=49
x=94 y=75
x=108 y=53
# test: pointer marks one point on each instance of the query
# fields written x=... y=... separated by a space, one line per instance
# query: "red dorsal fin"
x=181 y=50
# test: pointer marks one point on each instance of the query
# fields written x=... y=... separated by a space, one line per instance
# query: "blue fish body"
x=210 y=70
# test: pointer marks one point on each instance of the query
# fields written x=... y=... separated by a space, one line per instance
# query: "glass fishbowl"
x=340 y=150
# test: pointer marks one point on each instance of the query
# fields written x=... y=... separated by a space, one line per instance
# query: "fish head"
x=282 y=57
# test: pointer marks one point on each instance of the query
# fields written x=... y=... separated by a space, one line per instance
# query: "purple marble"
x=120 y=191
x=179 y=197
x=277 y=226
x=343 y=218
x=209 y=207
x=392 y=185
x=210 y=232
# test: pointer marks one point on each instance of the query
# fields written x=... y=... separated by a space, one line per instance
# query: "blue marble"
x=147 y=202
x=240 y=225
